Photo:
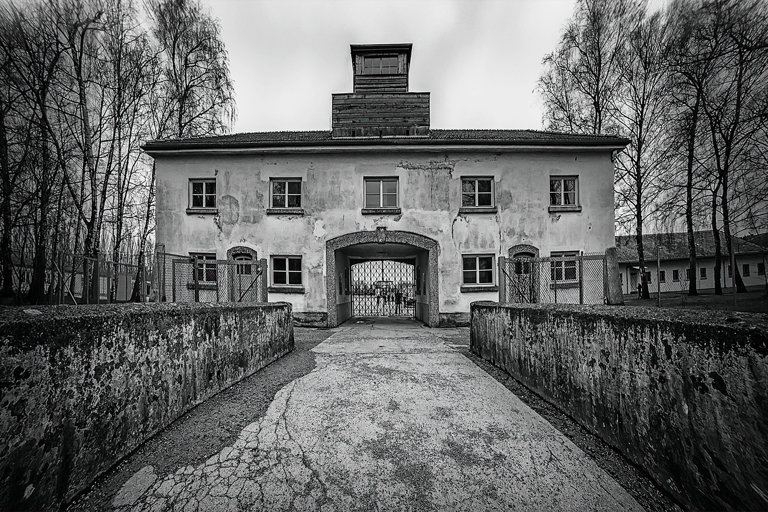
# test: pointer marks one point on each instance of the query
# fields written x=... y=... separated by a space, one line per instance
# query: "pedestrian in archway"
x=398 y=301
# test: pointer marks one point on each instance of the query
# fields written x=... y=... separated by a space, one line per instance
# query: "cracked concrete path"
x=390 y=419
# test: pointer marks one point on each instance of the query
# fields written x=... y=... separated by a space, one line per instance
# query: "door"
x=523 y=279
x=383 y=288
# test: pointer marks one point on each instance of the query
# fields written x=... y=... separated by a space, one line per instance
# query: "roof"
x=441 y=137
x=761 y=239
x=674 y=246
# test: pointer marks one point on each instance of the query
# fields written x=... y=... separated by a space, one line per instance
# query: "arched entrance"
x=381 y=245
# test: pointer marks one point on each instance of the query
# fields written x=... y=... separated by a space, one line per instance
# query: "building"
x=673 y=274
x=382 y=203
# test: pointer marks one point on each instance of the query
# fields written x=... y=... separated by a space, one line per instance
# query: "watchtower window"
x=380 y=65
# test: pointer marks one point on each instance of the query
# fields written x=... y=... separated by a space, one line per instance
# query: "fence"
x=78 y=279
x=184 y=278
x=568 y=279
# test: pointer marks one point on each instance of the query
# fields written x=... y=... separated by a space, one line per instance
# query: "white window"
x=286 y=193
x=381 y=192
x=206 y=266
x=477 y=269
x=564 y=267
x=202 y=193
x=286 y=270
x=676 y=275
x=477 y=192
x=703 y=273
x=662 y=276
x=563 y=190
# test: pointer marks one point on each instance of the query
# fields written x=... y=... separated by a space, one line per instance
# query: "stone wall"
x=84 y=386
x=684 y=394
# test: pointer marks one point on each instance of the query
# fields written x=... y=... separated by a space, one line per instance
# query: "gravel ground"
x=634 y=480
x=217 y=422
x=209 y=427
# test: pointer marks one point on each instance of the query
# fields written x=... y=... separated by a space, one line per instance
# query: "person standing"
x=398 y=301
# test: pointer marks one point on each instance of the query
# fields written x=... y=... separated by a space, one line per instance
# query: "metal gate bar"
x=383 y=288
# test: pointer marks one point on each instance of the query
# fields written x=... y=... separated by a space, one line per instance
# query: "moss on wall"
x=684 y=394
x=84 y=386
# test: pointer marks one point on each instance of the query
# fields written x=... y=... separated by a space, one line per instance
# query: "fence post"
x=195 y=278
x=611 y=284
x=581 y=276
x=264 y=278
x=502 y=279
x=85 y=287
x=109 y=280
x=60 y=290
x=562 y=264
x=159 y=274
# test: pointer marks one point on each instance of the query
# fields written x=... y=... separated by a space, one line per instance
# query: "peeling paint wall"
x=83 y=387
x=430 y=198
x=684 y=394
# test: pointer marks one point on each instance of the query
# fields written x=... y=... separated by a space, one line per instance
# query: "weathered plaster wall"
x=82 y=387
x=684 y=394
x=430 y=198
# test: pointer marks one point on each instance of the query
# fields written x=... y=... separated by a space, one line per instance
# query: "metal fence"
x=78 y=279
x=184 y=278
x=575 y=279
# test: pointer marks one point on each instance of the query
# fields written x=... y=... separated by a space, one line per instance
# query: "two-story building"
x=382 y=214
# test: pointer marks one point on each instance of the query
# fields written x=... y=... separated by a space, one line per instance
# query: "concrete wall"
x=84 y=386
x=684 y=394
x=430 y=198
x=630 y=277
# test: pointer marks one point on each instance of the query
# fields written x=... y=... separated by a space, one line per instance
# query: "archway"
x=341 y=252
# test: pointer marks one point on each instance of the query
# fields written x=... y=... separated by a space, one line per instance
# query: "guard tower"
x=380 y=105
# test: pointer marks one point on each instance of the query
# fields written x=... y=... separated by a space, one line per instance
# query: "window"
x=478 y=269
x=676 y=275
x=380 y=65
x=703 y=273
x=244 y=264
x=563 y=268
x=730 y=271
x=286 y=193
x=563 y=191
x=761 y=269
x=688 y=274
x=477 y=192
x=746 y=270
x=206 y=267
x=202 y=193
x=662 y=276
x=381 y=192
x=286 y=270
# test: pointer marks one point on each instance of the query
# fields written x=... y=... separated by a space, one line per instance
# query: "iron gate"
x=383 y=288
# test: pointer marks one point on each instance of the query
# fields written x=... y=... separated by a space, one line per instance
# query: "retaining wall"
x=682 y=393
x=81 y=387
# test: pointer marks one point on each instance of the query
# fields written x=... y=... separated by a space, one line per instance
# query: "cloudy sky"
x=479 y=59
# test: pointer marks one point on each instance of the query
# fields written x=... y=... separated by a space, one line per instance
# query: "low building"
x=382 y=203
x=673 y=274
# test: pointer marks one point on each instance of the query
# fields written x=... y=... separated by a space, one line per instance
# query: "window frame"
x=367 y=209
x=477 y=285
x=473 y=208
x=299 y=210
x=206 y=267
x=244 y=261
x=380 y=59
x=675 y=275
x=287 y=271
x=562 y=207
x=702 y=273
x=745 y=270
x=662 y=276
x=761 y=268
x=560 y=261
x=190 y=196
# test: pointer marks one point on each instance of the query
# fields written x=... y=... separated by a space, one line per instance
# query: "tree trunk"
x=138 y=284
x=718 y=250
x=6 y=293
x=740 y=288
x=36 y=293
x=689 y=196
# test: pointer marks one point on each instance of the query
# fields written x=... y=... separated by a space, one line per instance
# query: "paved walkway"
x=390 y=419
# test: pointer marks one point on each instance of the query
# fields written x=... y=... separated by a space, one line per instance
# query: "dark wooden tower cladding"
x=380 y=105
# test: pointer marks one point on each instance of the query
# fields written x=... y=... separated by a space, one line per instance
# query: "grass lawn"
x=754 y=301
